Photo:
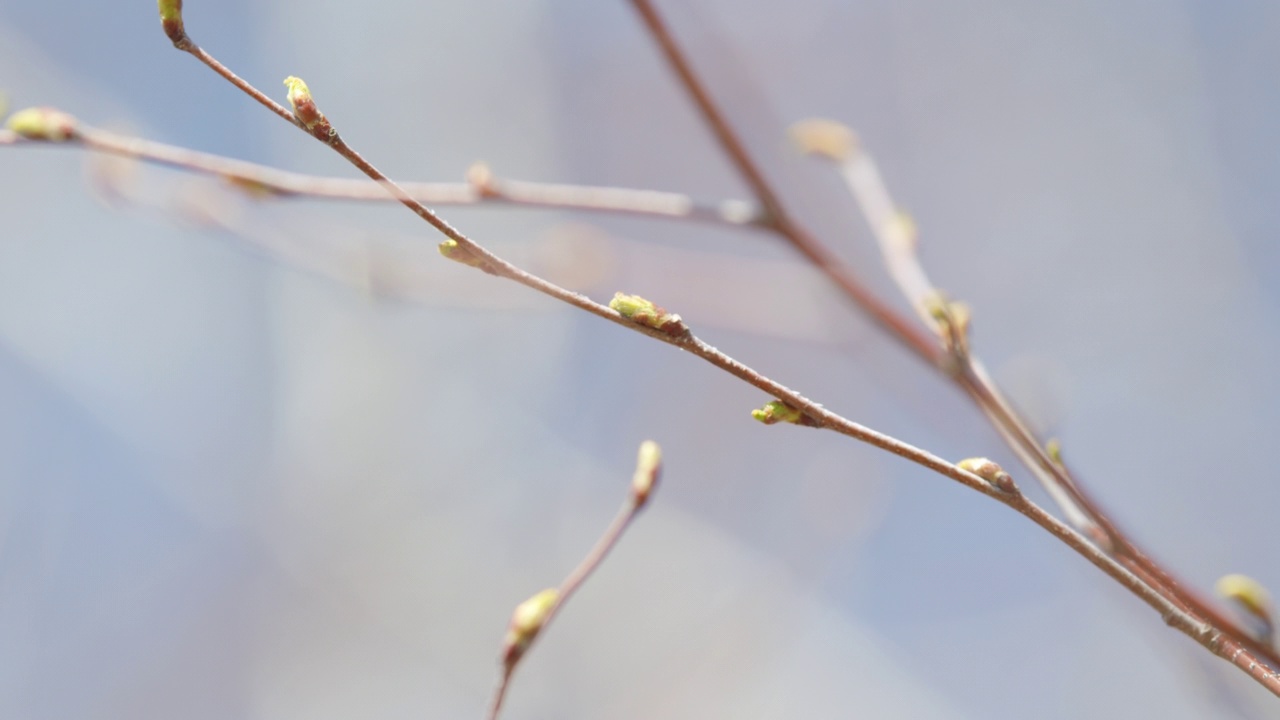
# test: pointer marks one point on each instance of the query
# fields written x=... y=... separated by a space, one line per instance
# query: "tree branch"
x=951 y=356
x=533 y=616
x=672 y=330
x=483 y=187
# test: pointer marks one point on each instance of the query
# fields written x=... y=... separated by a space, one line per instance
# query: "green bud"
x=644 y=312
x=776 y=411
x=526 y=623
x=304 y=106
x=1248 y=593
x=171 y=20
x=457 y=253
x=42 y=123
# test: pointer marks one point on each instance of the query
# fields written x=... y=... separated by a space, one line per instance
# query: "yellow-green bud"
x=526 y=623
x=776 y=411
x=648 y=468
x=632 y=306
x=42 y=123
x=1054 y=449
x=952 y=321
x=644 y=312
x=171 y=20
x=457 y=253
x=1248 y=593
x=304 y=106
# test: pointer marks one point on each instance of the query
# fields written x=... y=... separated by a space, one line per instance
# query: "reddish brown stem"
x=1224 y=632
x=776 y=216
x=1173 y=613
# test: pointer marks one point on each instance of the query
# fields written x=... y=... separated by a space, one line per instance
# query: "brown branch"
x=776 y=215
x=968 y=375
x=483 y=189
x=533 y=616
x=897 y=236
x=466 y=250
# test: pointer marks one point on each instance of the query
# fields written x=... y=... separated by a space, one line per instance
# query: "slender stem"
x=185 y=44
x=568 y=587
x=983 y=392
x=1211 y=638
x=494 y=191
x=898 y=244
x=826 y=261
x=896 y=235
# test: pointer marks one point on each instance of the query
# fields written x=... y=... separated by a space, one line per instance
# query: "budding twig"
x=897 y=236
x=532 y=616
x=263 y=181
x=1216 y=633
x=1223 y=640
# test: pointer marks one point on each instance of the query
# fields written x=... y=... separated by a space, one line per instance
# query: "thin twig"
x=1214 y=640
x=817 y=253
x=897 y=236
x=269 y=181
x=648 y=467
x=569 y=586
x=970 y=377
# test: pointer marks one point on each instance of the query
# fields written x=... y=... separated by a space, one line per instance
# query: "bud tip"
x=648 y=469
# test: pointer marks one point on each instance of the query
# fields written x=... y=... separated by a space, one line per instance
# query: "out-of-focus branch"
x=482 y=188
x=532 y=616
x=897 y=235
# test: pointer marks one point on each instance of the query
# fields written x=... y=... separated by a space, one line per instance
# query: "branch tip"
x=990 y=471
x=43 y=123
x=825 y=138
x=643 y=312
x=648 y=469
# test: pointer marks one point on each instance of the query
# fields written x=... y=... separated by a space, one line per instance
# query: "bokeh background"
x=278 y=460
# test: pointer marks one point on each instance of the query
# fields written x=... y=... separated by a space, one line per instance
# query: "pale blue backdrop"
x=278 y=460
